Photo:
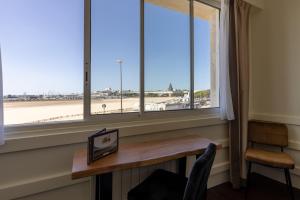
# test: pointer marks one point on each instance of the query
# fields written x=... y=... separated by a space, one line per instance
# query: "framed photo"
x=102 y=144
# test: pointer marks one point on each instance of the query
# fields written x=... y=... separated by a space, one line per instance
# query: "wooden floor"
x=261 y=188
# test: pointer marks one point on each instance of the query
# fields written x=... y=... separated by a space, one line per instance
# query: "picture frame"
x=101 y=144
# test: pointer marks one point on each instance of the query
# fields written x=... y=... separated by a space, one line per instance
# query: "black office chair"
x=164 y=185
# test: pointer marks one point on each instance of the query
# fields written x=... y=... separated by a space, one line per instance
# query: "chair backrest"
x=197 y=183
x=269 y=133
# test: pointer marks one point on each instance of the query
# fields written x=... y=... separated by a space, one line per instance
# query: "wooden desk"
x=137 y=155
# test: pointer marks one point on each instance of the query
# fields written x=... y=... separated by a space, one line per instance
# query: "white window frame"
x=92 y=120
x=142 y=114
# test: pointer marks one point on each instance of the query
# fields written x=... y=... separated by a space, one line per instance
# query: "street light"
x=120 y=62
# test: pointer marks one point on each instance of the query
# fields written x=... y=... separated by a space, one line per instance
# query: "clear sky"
x=42 y=46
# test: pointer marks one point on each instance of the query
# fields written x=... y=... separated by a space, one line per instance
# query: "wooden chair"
x=273 y=134
x=164 y=185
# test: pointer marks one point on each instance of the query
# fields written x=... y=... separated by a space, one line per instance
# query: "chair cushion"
x=270 y=158
x=160 y=185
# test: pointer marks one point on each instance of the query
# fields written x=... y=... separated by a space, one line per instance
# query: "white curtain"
x=1 y=104
x=226 y=107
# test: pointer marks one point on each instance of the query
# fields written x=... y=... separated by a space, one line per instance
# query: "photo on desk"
x=102 y=144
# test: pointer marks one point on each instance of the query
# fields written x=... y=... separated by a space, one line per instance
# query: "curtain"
x=239 y=14
x=1 y=104
x=226 y=108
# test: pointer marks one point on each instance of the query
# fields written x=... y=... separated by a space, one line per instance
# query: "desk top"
x=140 y=154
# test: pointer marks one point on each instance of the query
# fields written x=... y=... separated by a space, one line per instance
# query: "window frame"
x=142 y=114
x=89 y=118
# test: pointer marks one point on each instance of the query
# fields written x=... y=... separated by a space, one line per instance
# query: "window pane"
x=42 y=45
x=206 y=44
x=167 y=55
x=115 y=52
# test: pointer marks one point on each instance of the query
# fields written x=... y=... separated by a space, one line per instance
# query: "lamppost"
x=120 y=62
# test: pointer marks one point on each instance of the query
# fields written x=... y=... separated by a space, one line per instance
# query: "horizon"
x=137 y=91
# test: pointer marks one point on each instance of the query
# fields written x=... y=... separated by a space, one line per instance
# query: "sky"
x=42 y=46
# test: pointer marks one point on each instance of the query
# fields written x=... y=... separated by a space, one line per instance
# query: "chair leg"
x=248 y=179
x=287 y=180
x=289 y=183
x=205 y=193
x=249 y=173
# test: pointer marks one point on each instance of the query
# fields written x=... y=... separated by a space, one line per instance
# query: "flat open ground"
x=45 y=111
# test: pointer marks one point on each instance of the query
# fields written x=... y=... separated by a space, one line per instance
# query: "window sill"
x=74 y=134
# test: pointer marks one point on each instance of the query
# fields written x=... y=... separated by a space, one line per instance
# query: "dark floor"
x=262 y=188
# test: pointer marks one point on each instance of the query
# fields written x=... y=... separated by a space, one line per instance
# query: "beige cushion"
x=270 y=158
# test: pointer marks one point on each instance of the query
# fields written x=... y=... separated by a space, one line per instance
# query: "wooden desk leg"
x=182 y=166
x=103 y=185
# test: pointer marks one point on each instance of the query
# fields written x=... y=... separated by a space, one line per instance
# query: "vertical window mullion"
x=192 y=54
x=142 y=57
x=87 y=60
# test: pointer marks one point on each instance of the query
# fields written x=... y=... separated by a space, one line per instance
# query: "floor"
x=262 y=188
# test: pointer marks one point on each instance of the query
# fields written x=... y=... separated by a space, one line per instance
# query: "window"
x=135 y=56
x=206 y=43
x=115 y=56
x=167 y=55
x=42 y=45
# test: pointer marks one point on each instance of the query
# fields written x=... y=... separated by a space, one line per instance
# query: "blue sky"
x=41 y=42
x=42 y=46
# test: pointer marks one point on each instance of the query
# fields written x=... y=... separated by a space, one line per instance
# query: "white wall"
x=275 y=82
x=44 y=173
x=256 y=3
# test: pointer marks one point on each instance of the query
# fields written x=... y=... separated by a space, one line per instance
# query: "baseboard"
x=220 y=168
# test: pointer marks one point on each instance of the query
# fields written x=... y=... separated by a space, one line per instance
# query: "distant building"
x=170 y=88
x=108 y=90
